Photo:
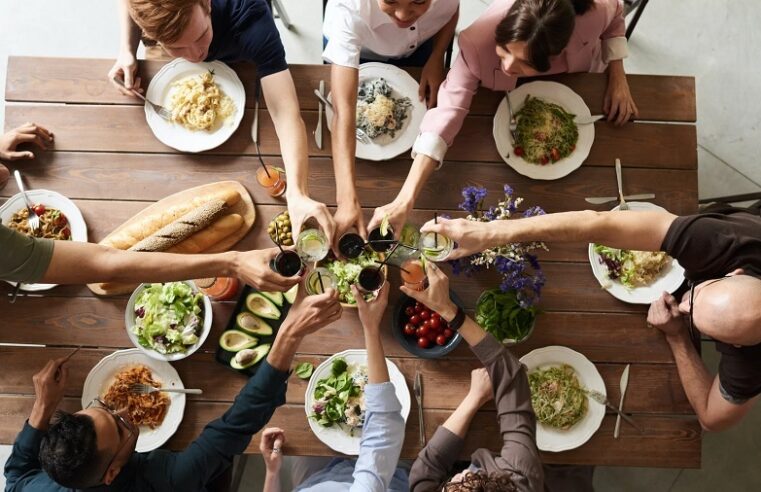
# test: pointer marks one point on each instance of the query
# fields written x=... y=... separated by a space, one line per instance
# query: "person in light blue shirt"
x=382 y=433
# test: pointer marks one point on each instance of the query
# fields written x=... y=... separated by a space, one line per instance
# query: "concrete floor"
x=714 y=40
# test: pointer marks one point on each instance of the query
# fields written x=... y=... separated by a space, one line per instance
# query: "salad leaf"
x=339 y=367
x=304 y=370
x=168 y=317
x=347 y=273
x=500 y=314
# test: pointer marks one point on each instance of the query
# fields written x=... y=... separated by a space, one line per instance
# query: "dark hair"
x=481 y=481
x=544 y=25
x=69 y=451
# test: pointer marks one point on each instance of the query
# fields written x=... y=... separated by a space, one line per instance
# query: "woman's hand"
x=471 y=237
x=348 y=216
x=271 y=447
x=371 y=313
x=436 y=295
x=397 y=216
x=301 y=208
x=618 y=103
x=27 y=133
x=430 y=80
x=481 y=389
x=253 y=267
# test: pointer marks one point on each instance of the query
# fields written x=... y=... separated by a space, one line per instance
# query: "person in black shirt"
x=721 y=253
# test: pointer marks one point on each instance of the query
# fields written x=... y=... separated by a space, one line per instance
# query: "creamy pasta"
x=197 y=103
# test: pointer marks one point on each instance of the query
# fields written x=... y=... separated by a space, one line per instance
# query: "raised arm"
x=125 y=66
x=434 y=70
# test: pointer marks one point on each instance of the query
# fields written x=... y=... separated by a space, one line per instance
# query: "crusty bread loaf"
x=182 y=228
x=208 y=237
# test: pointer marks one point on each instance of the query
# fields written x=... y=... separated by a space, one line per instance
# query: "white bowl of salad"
x=168 y=321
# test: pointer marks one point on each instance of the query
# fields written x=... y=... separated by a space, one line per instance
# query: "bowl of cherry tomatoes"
x=422 y=331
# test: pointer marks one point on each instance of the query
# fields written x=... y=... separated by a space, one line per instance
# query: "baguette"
x=182 y=228
x=208 y=237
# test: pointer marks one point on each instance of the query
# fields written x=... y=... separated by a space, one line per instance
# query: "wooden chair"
x=637 y=6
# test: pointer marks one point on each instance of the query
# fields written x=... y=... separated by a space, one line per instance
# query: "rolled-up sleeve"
x=614 y=44
x=340 y=29
x=23 y=258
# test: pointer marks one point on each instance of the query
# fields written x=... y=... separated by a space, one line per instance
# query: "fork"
x=622 y=203
x=358 y=133
x=418 y=389
x=602 y=400
x=513 y=123
x=362 y=136
x=144 y=389
x=161 y=110
x=34 y=219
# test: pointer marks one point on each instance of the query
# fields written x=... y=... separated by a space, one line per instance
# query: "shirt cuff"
x=29 y=437
x=431 y=145
x=341 y=55
x=614 y=49
x=382 y=398
x=268 y=379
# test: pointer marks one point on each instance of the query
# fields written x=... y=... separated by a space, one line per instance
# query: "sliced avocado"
x=276 y=297
x=290 y=295
x=248 y=357
x=234 y=340
x=262 y=306
x=250 y=323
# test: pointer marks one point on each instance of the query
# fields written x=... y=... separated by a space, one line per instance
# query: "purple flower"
x=534 y=211
x=474 y=196
x=508 y=190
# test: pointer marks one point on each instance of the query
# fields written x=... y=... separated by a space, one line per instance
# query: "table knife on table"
x=255 y=125
x=418 y=390
x=599 y=200
x=320 y=109
x=624 y=383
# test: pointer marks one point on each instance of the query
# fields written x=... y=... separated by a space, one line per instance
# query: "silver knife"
x=624 y=383
x=318 y=130
x=513 y=124
x=255 y=125
x=599 y=200
x=418 y=389
x=587 y=120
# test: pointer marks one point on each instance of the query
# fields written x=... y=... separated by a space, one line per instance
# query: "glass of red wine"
x=288 y=263
x=371 y=279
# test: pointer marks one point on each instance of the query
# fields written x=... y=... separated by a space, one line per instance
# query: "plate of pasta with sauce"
x=206 y=102
x=156 y=415
x=60 y=220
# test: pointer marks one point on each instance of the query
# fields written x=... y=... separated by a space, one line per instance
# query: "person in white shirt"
x=399 y=32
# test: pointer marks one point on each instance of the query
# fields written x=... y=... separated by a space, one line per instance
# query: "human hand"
x=253 y=267
x=49 y=386
x=481 y=389
x=125 y=68
x=348 y=216
x=664 y=314
x=301 y=208
x=26 y=133
x=436 y=295
x=371 y=313
x=396 y=212
x=271 y=447
x=618 y=103
x=310 y=313
x=471 y=237
x=430 y=80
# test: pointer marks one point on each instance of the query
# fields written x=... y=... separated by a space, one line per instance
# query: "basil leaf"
x=304 y=370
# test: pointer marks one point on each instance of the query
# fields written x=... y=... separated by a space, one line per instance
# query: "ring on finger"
x=275 y=450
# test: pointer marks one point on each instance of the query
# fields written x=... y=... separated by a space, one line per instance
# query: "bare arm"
x=433 y=71
x=125 y=66
x=130 y=32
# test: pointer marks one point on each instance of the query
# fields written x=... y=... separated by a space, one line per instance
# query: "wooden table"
x=107 y=160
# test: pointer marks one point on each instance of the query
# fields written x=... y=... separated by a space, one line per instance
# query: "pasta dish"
x=545 y=132
x=632 y=268
x=378 y=113
x=558 y=398
x=149 y=409
x=53 y=223
x=197 y=103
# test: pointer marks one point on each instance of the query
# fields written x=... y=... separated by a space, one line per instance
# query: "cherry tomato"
x=518 y=151
x=409 y=329
x=432 y=336
x=436 y=315
x=418 y=308
x=409 y=311
x=448 y=333
x=423 y=330
x=415 y=319
x=435 y=323
x=441 y=340
x=544 y=160
x=39 y=209
x=554 y=154
x=66 y=233
x=425 y=314
x=423 y=342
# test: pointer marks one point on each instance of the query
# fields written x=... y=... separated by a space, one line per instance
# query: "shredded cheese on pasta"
x=197 y=103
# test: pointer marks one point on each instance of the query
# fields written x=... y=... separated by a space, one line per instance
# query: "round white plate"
x=335 y=437
x=554 y=93
x=551 y=439
x=669 y=280
x=50 y=199
x=102 y=375
x=176 y=135
x=402 y=84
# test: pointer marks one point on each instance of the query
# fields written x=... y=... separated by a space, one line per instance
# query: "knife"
x=318 y=130
x=624 y=383
x=599 y=200
x=255 y=125
x=587 y=120
x=418 y=389
x=513 y=124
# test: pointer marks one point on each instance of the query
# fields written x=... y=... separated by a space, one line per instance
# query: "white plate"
x=551 y=439
x=402 y=84
x=554 y=93
x=50 y=199
x=669 y=280
x=336 y=438
x=102 y=375
x=176 y=135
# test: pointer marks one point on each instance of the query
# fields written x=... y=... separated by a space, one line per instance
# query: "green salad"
x=347 y=272
x=339 y=399
x=168 y=317
x=500 y=314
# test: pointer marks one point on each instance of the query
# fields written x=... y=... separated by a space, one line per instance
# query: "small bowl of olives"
x=281 y=233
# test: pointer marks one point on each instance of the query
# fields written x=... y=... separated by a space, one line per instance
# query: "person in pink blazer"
x=513 y=39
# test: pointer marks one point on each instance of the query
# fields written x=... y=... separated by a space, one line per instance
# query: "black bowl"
x=410 y=343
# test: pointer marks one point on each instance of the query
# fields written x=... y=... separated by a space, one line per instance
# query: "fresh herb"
x=501 y=314
x=338 y=398
x=304 y=370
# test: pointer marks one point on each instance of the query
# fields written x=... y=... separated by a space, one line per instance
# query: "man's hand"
x=436 y=295
x=271 y=447
x=471 y=237
x=397 y=215
x=618 y=103
x=301 y=208
x=125 y=68
x=27 y=133
x=310 y=313
x=49 y=385
x=253 y=267
x=664 y=314
x=481 y=389
x=348 y=215
x=430 y=80
x=371 y=313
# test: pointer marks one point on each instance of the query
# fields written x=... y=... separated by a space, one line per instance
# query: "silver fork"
x=362 y=136
x=144 y=389
x=358 y=133
x=161 y=110
x=602 y=400
x=34 y=219
x=418 y=389
x=622 y=203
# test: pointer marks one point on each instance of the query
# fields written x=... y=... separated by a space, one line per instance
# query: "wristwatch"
x=458 y=319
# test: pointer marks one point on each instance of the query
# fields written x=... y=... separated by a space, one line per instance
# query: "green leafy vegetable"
x=339 y=398
x=347 y=273
x=168 y=317
x=500 y=314
x=304 y=370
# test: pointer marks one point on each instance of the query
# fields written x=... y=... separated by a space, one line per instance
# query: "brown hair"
x=483 y=482
x=164 y=20
x=544 y=25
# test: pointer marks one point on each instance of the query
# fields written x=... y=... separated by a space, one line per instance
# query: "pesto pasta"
x=545 y=132
x=558 y=398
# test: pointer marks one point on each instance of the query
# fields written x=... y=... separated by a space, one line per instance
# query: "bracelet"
x=458 y=319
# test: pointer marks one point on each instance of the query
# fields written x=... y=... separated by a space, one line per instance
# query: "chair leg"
x=637 y=14
x=238 y=470
x=278 y=5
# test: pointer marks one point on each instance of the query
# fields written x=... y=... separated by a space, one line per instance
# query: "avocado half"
x=235 y=341
x=275 y=297
x=290 y=295
x=252 y=324
x=261 y=306
x=249 y=357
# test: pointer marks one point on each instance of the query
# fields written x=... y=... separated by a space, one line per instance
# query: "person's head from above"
x=404 y=13
x=480 y=481
x=727 y=309
x=182 y=27
x=89 y=447
x=534 y=32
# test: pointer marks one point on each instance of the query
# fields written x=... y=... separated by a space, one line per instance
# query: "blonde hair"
x=164 y=20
